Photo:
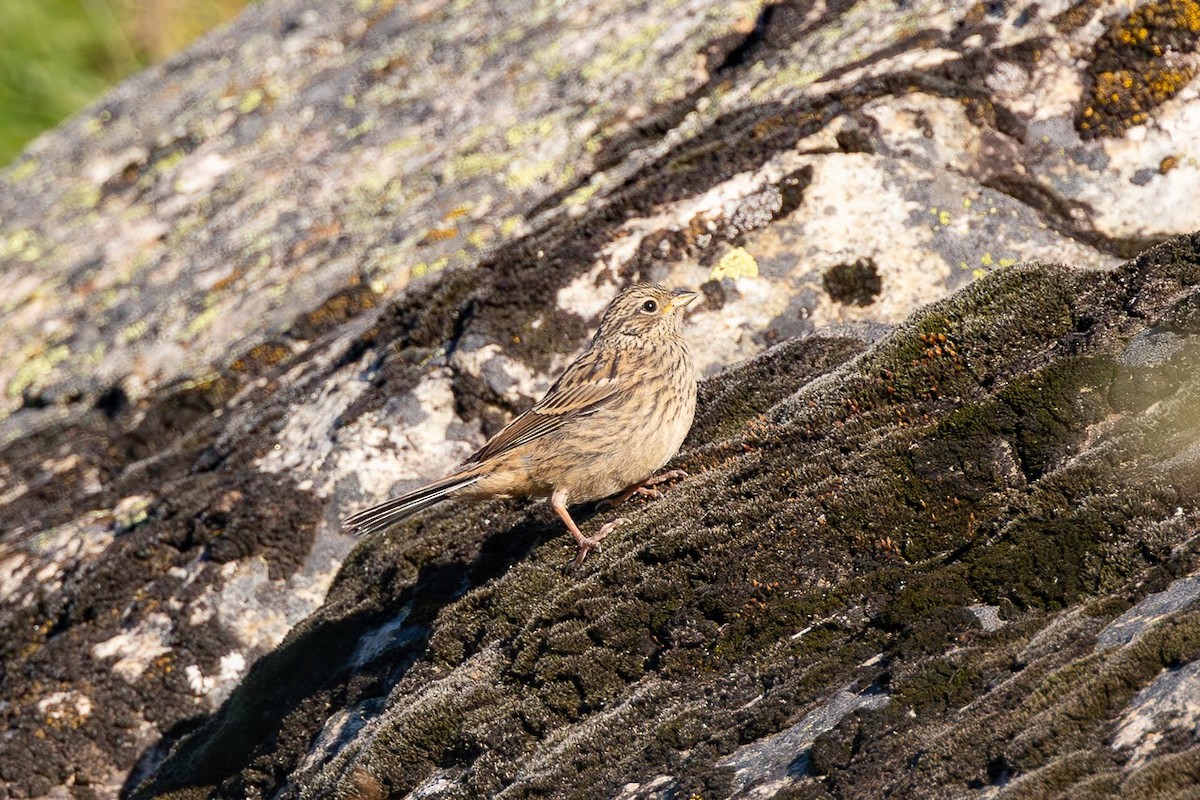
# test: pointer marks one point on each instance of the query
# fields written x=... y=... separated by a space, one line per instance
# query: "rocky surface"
x=319 y=257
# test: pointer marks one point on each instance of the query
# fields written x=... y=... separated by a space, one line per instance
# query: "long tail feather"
x=389 y=512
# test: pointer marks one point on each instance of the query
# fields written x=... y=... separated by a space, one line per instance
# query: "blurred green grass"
x=56 y=56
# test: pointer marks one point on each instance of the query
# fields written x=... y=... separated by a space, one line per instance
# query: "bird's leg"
x=586 y=545
x=669 y=475
x=628 y=492
x=642 y=488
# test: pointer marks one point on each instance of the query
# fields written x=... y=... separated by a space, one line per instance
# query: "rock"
x=320 y=256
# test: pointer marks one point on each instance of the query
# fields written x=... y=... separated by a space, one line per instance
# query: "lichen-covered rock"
x=322 y=255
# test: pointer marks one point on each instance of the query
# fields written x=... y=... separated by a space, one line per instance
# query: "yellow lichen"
x=626 y=56
x=135 y=331
x=788 y=78
x=478 y=238
x=737 y=263
x=525 y=175
x=423 y=268
x=81 y=197
x=169 y=161
x=366 y=126
x=202 y=321
x=473 y=164
x=581 y=195
x=538 y=128
x=510 y=225
x=251 y=100
x=1132 y=74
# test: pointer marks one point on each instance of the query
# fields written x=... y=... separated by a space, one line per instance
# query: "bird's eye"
x=650 y=306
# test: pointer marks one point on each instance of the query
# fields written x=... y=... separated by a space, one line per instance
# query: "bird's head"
x=644 y=312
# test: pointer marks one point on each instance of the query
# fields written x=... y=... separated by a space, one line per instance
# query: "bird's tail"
x=389 y=512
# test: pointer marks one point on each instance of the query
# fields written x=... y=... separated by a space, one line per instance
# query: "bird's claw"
x=612 y=502
x=669 y=475
x=608 y=526
x=588 y=545
x=643 y=489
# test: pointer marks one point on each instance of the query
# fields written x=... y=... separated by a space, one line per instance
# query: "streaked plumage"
x=613 y=418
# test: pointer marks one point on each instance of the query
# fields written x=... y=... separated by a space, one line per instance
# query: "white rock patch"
x=136 y=648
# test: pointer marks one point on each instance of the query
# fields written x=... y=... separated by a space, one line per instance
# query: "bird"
x=614 y=417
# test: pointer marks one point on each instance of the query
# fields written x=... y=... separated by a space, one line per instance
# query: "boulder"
x=939 y=531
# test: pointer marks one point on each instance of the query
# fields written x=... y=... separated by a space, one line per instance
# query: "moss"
x=176 y=412
x=929 y=609
x=1175 y=775
x=1088 y=703
x=853 y=284
x=260 y=357
x=337 y=309
x=940 y=685
x=725 y=408
x=1048 y=415
x=1081 y=772
x=1078 y=15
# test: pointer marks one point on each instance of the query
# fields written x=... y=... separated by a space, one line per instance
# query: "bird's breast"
x=661 y=407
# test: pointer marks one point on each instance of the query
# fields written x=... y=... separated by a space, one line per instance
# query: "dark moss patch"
x=1183 y=317
x=173 y=414
x=341 y=306
x=727 y=406
x=1075 y=17
x=853 y=284
x=791 y=190
x=239 y=524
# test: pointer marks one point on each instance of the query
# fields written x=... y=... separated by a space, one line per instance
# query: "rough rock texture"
x=322 y=255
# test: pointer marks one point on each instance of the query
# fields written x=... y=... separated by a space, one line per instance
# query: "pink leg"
x=642 y=489
x=585 y=544
x=669 y=475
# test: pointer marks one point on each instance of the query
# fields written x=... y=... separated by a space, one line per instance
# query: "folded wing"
x=590 y=383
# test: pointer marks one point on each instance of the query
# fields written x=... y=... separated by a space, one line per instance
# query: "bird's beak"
x=680 y=298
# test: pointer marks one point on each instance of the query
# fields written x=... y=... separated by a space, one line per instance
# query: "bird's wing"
x=592 y=381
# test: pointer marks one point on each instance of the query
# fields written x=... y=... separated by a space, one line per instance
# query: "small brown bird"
x=613 y=418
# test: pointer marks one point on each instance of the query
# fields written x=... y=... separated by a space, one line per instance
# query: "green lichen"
x=23 y=244
x=36 y=365
x=623 y=56
x=474 y=164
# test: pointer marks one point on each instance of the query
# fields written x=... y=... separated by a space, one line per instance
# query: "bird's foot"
x=643 y=489
x=669 y=475
x=588 y=545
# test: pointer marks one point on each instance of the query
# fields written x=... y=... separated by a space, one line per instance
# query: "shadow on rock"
x=340 y=657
